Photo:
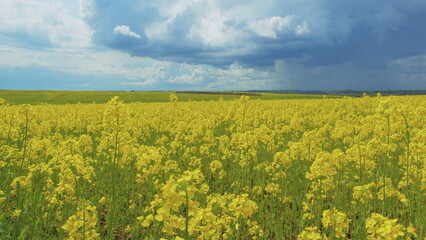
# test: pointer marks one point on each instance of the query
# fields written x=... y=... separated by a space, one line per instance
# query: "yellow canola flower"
x=363 y=193
x=147 y=220
x=2 y=164
x=411 y=230
x=380 y=227
x=215 y=165
x=173 y=97
x=244 y=99
x=207 y=220
x=337 y=221
x=242 y=206
x=310 y=233
x=16 y=213
x=389 y=190
x=21 y=182
x=2 y=197
x=273 y=189
x=103 y=200
x=82 y=225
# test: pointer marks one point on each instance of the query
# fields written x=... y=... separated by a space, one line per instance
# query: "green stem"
x=385 y=163
x=84 y=220
x=187 y=214
x=24 y=141
x=10 y=130
x=407 y=134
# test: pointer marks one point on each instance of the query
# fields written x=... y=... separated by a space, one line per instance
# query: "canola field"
x=241 y=169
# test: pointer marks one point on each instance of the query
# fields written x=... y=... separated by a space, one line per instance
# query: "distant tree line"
x=221 y=93
x=348 y=92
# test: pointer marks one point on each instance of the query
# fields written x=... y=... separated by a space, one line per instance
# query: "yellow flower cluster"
x=364 y=193
x=2 y=197
x=82 y=225
x=309 y=233
x=337 y=221
x=178 y=210
x=380 y=227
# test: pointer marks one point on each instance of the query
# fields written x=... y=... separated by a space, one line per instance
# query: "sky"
x=148 y=45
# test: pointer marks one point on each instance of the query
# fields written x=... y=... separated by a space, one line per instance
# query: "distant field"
x=62 y=97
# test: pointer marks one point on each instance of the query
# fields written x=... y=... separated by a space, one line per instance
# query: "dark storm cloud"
x=327 y=32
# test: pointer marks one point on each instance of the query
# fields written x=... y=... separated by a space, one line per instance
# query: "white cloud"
x=46 y=22
x=232 y=78
x=195 y=77
x=145 y=83
x=92 y=63
x=211 y=29
x=138 y=71
x=172 y=9
x=125 y=30
x=86 y=9
x=302 y=29
x=168 y=10
x=270 y=26
x=183 y=79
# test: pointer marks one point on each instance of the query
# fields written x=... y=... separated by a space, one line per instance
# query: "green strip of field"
x=63 y=97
